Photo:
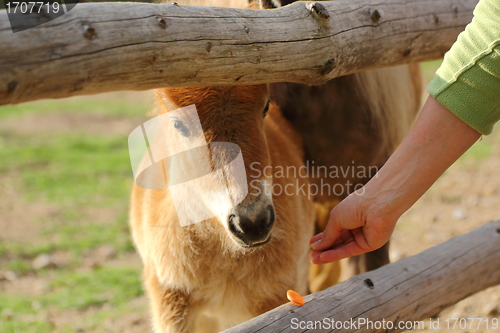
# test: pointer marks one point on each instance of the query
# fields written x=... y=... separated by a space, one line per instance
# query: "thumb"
x=327 y=238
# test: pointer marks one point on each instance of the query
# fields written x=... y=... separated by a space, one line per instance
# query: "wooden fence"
x=401 y=293
x=104 y=47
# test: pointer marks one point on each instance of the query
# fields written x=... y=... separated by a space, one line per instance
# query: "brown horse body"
x=197 y=276
x=211 y=275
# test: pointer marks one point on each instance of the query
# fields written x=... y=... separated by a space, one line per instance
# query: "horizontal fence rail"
x=405 y=292
x=104 y=47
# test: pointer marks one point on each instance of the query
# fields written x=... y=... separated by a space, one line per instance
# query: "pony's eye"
x=266 y=108
x=180 y=127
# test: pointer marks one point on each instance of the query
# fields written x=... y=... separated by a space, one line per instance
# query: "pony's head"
x=207 y=128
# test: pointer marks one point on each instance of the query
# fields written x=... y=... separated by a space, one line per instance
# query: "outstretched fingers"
x=344 y=251
x=315 y=239
x=327 y=238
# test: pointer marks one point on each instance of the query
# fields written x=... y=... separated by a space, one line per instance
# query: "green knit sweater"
x=468 y=81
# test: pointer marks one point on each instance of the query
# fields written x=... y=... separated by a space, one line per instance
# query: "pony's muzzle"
x=251 y=229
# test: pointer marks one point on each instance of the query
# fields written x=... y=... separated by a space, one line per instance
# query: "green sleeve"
x=468 y=81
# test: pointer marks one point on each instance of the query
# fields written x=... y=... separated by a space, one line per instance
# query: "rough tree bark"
x=103 y=47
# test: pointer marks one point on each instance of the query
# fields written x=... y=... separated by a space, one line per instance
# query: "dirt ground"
x=467 y=196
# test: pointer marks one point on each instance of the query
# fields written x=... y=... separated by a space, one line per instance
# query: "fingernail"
x=316 y=243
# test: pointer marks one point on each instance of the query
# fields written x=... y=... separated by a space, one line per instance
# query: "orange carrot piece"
x=295 y=298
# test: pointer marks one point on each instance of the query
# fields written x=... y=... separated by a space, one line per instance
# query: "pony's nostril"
x=271 y=216
x=233 y=225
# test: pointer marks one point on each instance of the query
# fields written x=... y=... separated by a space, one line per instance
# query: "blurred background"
x=67 y=263
x=66 y=259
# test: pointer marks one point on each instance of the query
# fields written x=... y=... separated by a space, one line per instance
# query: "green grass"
x=79 y=290
x=54 y=172
x=19 y=266
x=80 y=169
x=72 y=290
x=82 y=175
x=25 y=251
x=100 y=104
x=77 y=172
x=77 y=238
x=17 y=315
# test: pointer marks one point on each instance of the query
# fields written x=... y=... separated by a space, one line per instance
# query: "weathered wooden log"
x=401 y=293
x=103 y=47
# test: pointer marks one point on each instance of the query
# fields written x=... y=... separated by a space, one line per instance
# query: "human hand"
x=356 y=226
x=365 y=220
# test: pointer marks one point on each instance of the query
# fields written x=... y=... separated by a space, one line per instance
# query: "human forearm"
x=365 y=220
x=436 y=141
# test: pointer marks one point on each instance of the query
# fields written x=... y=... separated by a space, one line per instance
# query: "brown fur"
x=196 y=277
x=196 y=272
